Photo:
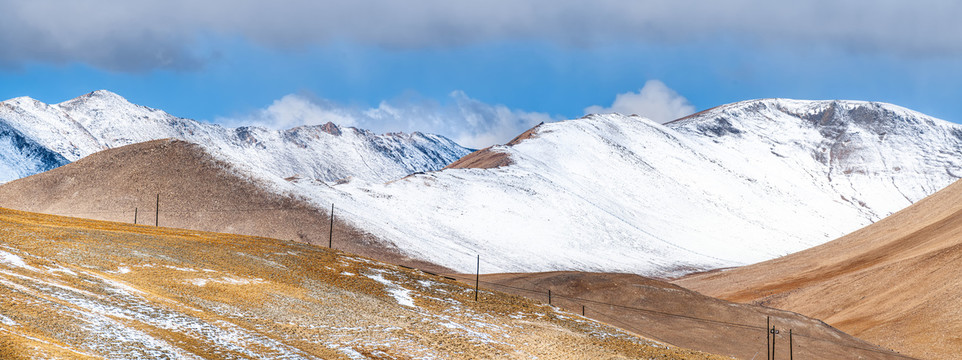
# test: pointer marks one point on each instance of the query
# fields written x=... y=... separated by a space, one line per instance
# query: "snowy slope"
x=734 y=185
x=102 y=120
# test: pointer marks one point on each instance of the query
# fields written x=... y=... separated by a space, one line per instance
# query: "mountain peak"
x=830 y=117
x=23 y=100
x=100 y=96
x=331 y=128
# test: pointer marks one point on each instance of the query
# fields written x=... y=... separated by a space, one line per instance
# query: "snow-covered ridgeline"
x=734 y=185
x=36 y=137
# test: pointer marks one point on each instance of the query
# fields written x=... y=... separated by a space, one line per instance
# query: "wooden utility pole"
x=330 y=238
x=790 y=345
x=768 y=338
x=549 y=296
x=135 y=216
x=773 y=332
x=582 y=310
x=157 y=212
x=477 y=278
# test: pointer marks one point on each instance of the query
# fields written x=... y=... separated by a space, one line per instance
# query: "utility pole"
x=477 y=278
x=790 y=345
x=549 y=296
x=330 y=238
x=773 y=332
x=768 y=338
x=135 y=216
x=157 y=212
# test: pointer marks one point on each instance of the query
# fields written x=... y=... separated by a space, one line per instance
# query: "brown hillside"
x=196 y=192
x=897 y=283
x=684 y=318
x=488 y=158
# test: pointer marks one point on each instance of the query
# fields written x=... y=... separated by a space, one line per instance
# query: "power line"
x=542 y=289
x=687 y=317
x=183 y=211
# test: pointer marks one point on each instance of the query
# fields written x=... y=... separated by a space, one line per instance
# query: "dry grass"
x=719 y=329
x=91 y=289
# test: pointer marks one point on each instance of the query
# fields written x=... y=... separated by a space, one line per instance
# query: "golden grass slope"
x=72 y=288
x=897 y=283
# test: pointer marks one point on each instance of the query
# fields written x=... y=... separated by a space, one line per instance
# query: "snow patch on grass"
x=14 y=260
x=224 y=280
x=180 y=268
x=60 y=269
x=7 y=321
x=402 y=295
x=354 y=355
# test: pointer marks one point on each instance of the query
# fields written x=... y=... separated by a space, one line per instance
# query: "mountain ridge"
x=672 y=198
x=101 y=120
x=182 y=185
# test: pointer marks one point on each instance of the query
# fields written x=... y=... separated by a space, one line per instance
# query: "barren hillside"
x=678 y=316
x=196 y=191
x=896 y=282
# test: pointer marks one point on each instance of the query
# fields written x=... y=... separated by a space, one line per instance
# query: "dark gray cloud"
x=127 y=35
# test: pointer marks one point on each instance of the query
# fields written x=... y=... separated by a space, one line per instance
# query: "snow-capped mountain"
x=35 y=137
x=21 y=156
x=733 y=185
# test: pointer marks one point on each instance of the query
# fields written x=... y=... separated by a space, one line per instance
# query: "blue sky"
x=479 y=72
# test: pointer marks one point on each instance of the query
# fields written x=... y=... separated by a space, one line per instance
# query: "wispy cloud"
x=468 y=121
x=655 y=101
x=127 y=35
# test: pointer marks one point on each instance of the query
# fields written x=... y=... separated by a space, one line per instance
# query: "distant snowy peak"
x=20 y=156
x=866 y=138
x=828 y=116
x=102 y=120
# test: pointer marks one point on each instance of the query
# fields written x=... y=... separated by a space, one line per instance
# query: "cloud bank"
x=467 y=121
x=122 y=35
x=654 y=101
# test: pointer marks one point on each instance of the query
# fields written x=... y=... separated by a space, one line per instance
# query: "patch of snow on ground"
x=121 y=288
x=7 y=321
x=14 y=260
x=402 y=295
x=354 y=355
x=224 y=280
x=179 y=268
x=61 y=269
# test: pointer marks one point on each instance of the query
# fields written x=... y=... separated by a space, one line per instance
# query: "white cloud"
x=141 y=35
x=294 y=110
x=468 y=121
x=655 y=101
